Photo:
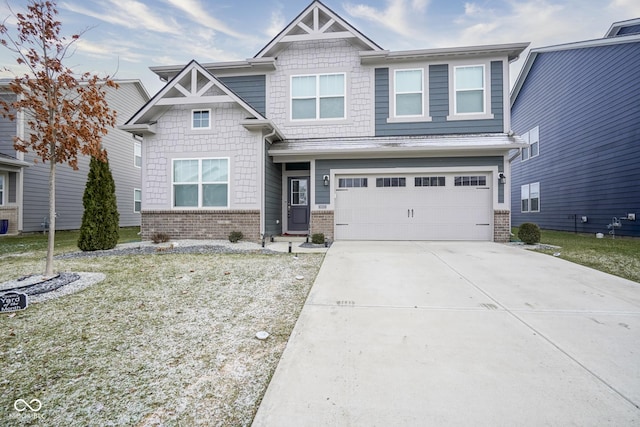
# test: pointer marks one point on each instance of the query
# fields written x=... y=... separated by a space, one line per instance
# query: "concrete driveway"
x=459 y=333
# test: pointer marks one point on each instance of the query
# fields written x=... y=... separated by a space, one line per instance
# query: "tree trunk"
x=52 y=217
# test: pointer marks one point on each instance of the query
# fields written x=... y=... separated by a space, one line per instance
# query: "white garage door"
x=414 y=207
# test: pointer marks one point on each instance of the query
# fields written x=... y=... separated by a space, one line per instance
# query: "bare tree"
x=66 y=112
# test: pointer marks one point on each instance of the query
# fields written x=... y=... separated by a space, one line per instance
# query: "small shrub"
x=159 y=237
x=529 y=233
x=317 y=238
x=235 y=236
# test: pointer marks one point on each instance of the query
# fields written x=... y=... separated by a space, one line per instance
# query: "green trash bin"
x=4 y=226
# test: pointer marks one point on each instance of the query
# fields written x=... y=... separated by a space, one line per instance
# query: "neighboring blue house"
x=325 y=131
x=578 y=106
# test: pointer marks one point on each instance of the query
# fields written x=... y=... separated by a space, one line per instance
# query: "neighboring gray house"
x=24 y=192
x=578 y=106
x=325 y=131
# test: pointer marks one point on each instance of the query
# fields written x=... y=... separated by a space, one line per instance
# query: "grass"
x=65 y=241
x=619 y=256
x=165 y=339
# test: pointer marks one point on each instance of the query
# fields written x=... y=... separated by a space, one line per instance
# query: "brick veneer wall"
x=10 y=213
x=501 y=226
x=201 y=224
x=322 y=222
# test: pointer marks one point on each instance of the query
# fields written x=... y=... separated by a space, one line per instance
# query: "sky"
x=123 y=38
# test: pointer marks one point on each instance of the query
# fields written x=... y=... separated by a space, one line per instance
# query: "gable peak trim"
x=316 y=22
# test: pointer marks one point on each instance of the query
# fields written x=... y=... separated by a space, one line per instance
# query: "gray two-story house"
x=24 y=179
x=324 y=131
x=577 y=105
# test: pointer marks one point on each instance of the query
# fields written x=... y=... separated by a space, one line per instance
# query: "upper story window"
x=137 y=154
x=409 y=92
x=469 y=88
x=317 y=97
x=201 y=183
x=533 y=139
x=469 y=92
x=201 y=119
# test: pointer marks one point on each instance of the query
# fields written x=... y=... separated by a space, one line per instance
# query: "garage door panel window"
x=391 y=182
x=470 y=181
x=530 y=197
x=352 y=182
x=430 y=181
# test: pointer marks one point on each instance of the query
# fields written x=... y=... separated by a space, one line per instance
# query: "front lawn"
x=619 y=256
x=165 y=339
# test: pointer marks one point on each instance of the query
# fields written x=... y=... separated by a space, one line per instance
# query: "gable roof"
x=608 y=40
x=192 y=86
x=316 y=22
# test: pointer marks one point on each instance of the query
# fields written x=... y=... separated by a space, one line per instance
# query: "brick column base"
x=501 y=226
x=322 y=222
x=201 y=224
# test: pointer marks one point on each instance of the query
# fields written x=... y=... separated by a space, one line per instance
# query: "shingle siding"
x=586 y=106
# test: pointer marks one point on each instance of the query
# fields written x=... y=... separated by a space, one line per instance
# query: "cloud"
x=629 y=7
x=197 y=12
x=127 y=13
x=276 y=23
x=397 y=16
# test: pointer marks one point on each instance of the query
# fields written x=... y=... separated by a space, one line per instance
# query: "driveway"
x=459 y=333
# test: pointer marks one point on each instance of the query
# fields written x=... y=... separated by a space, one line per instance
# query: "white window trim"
x=486 y=114
x=3 y=195
x=529 y=198
x=135 y=191
x=317 y=97
x=200 y=183
x=528 y=150
x=199 y=110
x=425 y=116
x=137 y=148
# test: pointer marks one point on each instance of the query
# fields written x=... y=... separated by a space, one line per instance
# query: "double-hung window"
x=469 y=89
x=409 y=92
x=318 y=97
x=137 y=200
x=530 y=197
x=137 y=154
x=533 y=139
x=201 y=183
x=200 y=119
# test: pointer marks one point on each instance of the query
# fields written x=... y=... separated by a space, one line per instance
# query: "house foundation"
x=322 y=222
x=501 y=226
x=215 y=225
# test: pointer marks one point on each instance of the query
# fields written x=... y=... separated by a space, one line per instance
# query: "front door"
x=298 y=204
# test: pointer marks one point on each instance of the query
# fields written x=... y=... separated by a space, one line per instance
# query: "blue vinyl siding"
x=273 y=197
x=252 y=89
x=7 y=130
x=323 y=167
x=586 y=105
x=438 y=106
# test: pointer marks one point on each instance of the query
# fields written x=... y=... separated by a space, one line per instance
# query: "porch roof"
x=408 y=145
x=12 y=162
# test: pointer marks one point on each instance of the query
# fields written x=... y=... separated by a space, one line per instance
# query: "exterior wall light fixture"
x=502 y=178
x=325 y=179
